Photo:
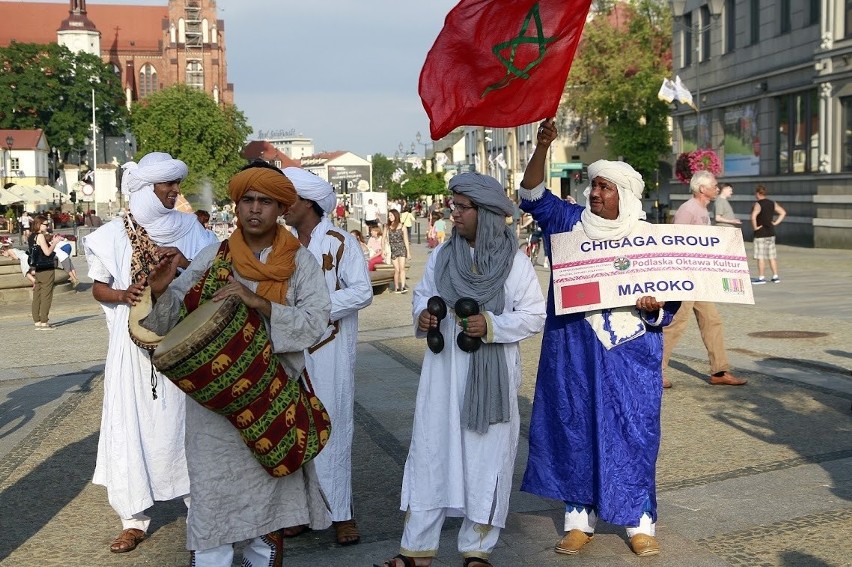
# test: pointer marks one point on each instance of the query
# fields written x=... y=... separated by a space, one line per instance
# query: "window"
x=730 y=25
x=15 y=164
x=846 y=103
x=798 y=133
x=848 y=30
x=814 y=11
x=784 y=16
x=195 y=74
x=754 y=13
x=687 y=39
x=705 y=33
x=147 y=80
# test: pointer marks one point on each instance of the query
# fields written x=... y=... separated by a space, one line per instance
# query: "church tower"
x=77 y=32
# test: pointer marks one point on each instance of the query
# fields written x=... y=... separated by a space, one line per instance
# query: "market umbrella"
x=9 y=198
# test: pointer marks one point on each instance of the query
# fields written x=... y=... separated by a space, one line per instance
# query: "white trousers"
x=262 y=551
x=422 y=534
x=584 y=519
x=141 y=522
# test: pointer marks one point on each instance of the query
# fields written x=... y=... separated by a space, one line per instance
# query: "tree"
x=188 y=124
x=49 y=87
x=383 y=169
x=622 y=59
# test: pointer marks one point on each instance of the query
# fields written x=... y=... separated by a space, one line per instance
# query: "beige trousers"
x=710 y=327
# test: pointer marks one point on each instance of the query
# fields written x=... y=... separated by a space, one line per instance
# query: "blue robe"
x=595 y=427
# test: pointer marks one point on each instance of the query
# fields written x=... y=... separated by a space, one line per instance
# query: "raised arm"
x=534 y=173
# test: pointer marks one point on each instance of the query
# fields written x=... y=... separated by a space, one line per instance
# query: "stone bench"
x=15 y=288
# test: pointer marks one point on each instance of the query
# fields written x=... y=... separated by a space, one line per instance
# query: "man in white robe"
x=233 y=497
x=466 y=422
x=141 y=446
x=331 y=361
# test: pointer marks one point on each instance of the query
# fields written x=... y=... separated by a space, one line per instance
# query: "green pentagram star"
x=513 y=72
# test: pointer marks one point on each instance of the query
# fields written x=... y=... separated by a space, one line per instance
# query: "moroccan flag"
x=500 y=63
x=581 y=294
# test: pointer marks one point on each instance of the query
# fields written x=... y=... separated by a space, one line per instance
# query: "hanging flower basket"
x=698 y=160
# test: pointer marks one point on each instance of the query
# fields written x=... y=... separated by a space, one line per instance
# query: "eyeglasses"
x=464 y=208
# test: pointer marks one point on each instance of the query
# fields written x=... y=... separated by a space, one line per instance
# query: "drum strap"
x=143 y=258
x=338 y=257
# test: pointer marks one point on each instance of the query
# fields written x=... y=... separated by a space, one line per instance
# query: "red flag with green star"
x=500 y=63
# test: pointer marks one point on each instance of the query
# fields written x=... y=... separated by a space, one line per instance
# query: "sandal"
x=347 y=532
x=293 y=531
x=127 y=540
x=406 y=562
x=468 y=561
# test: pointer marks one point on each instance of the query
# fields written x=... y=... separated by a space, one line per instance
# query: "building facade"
x=772 y=80
x=149 y=47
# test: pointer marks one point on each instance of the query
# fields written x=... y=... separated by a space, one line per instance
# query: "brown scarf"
x=273 y=277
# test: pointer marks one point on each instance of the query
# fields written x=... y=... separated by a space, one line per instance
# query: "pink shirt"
x=692 y=212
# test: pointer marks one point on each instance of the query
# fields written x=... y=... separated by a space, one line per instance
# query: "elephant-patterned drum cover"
x=221 y=356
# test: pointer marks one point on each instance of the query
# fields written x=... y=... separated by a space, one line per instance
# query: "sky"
x=342 y=72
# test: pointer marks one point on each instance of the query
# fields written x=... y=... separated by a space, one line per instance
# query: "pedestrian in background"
x=765 y=216
x=694 y=211
x=43 y=260
x=724 y=213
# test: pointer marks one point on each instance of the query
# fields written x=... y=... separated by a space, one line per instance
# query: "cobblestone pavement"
x=754 y=476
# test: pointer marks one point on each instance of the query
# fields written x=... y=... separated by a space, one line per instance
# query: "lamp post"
x=696 y=30
x=10 y=141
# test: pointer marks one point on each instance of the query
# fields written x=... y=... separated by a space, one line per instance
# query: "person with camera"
x=43 y=261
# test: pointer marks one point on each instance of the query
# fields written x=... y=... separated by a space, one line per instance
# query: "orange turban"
x=264 y=180
x=273 y=277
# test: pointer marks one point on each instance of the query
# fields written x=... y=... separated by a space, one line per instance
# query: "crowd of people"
x=595 y=424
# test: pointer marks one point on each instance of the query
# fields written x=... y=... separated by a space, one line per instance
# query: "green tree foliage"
x=382 y=171
x=623 y=57
x=188 y=124
x=49 y=87
x=417 y=182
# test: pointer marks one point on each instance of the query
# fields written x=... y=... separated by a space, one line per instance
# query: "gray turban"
x=312 y=187
x=484 y=191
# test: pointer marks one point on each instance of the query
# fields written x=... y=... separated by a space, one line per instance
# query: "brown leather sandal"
x=127 y=540
x=347 y=532
x=469 y=561
x=406 y=562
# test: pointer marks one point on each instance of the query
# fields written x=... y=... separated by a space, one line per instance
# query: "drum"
x=220 y=355
x=141 y=336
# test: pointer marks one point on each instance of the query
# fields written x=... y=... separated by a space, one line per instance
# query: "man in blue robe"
x=595 y=427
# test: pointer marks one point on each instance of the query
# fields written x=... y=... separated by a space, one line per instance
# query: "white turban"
x=630 y=187
x=163 y=225
x=156 y=167
x=312 y=187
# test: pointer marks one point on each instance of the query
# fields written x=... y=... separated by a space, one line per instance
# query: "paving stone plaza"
x=759 y=475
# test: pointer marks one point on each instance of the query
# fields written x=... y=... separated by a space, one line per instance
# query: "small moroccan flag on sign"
x=500 y=63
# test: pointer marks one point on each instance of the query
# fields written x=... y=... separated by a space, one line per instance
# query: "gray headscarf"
x=481 y=275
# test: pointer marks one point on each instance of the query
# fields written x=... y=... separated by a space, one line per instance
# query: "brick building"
x=150 y=47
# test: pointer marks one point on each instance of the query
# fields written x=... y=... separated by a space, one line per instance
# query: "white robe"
x=332 y=365
x=449 y=466
x=233 y=497
x=140 y=449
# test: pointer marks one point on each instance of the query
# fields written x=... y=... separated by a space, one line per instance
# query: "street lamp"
x=696 y=30
x=10 y=141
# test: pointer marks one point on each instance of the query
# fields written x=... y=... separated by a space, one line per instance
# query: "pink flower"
x=698 y=160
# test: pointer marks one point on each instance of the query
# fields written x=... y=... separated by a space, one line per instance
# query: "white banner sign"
x=672 y=262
